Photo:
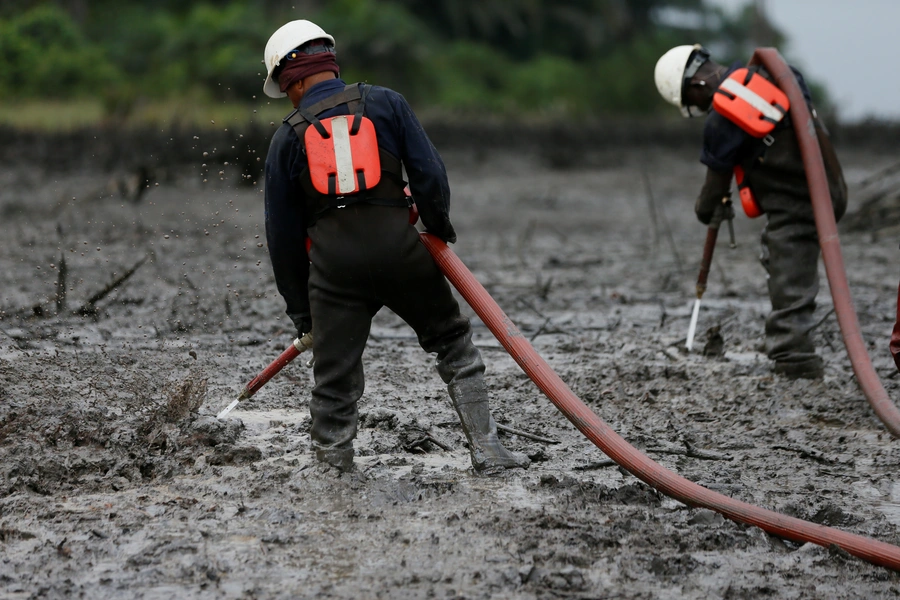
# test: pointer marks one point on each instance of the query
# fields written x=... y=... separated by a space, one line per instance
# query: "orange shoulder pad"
x=344 y=162
x=751 y=102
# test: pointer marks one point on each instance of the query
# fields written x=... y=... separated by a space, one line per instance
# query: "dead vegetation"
x=875 y=204
x=124 y=427
x=110 y=455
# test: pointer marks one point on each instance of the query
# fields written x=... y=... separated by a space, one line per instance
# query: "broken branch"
x=88 y=307
x=525 y=434
x=61 y=285
x=691 y=452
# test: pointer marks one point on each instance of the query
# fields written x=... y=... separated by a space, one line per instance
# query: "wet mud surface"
x=117 y=481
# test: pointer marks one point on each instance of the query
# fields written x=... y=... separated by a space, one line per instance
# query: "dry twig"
x=525 y=434
x=691 y=452
x=654 y=212
x=61 y=284
x=88 y=307
x=601 y=464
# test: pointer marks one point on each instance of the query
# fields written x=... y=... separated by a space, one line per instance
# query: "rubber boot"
x=339 y=458
x=469 y=398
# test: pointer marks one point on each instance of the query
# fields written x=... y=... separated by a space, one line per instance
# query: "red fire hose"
x=622 y=452
x=633 y=460
x=828 y=239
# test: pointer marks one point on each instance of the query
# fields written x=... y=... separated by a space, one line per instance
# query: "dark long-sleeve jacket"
x=778 y=168
x=726 y=145
x=399 y=133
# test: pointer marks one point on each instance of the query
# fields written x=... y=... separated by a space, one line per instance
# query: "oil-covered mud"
x=128 y=320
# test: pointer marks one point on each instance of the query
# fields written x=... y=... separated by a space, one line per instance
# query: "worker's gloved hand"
x=446 y=233
x=723 y=212
x=705 y=210
x=304 y=327
x=449 y=239
x=436 y=222
x=716 y=187
x=303 y=323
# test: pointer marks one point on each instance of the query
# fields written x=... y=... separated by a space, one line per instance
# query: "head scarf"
x=305 y=65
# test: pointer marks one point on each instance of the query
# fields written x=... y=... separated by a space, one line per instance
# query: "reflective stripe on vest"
x=751 y=102
x=343 y=155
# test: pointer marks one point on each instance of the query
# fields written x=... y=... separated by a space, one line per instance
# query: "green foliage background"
x=524 y=58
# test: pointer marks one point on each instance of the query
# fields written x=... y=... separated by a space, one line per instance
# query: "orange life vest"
x=343 y=155
x=344 y=163
x=756 y=105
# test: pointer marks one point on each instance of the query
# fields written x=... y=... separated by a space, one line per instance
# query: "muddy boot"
x=460 y=366
x=339 y=458
x=489 y=457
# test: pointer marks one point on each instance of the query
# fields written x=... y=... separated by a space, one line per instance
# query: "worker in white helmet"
x=334 y=178
x=748 y=134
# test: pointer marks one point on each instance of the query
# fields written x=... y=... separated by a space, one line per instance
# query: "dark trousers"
x=364 y=257
x=790 y=255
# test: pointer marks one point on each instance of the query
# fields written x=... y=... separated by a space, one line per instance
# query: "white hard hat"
x=674 y=68
x=289 y=36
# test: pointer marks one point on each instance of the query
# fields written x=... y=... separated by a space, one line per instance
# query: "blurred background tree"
x=523 y=58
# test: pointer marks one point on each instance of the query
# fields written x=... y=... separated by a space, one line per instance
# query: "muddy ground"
x=116 y=480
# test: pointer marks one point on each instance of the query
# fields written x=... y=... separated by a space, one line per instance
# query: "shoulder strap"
x=300 y=115
x=360 y=109
x=356 y=106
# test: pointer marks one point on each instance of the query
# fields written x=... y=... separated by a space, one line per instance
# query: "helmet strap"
x=697 y=59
